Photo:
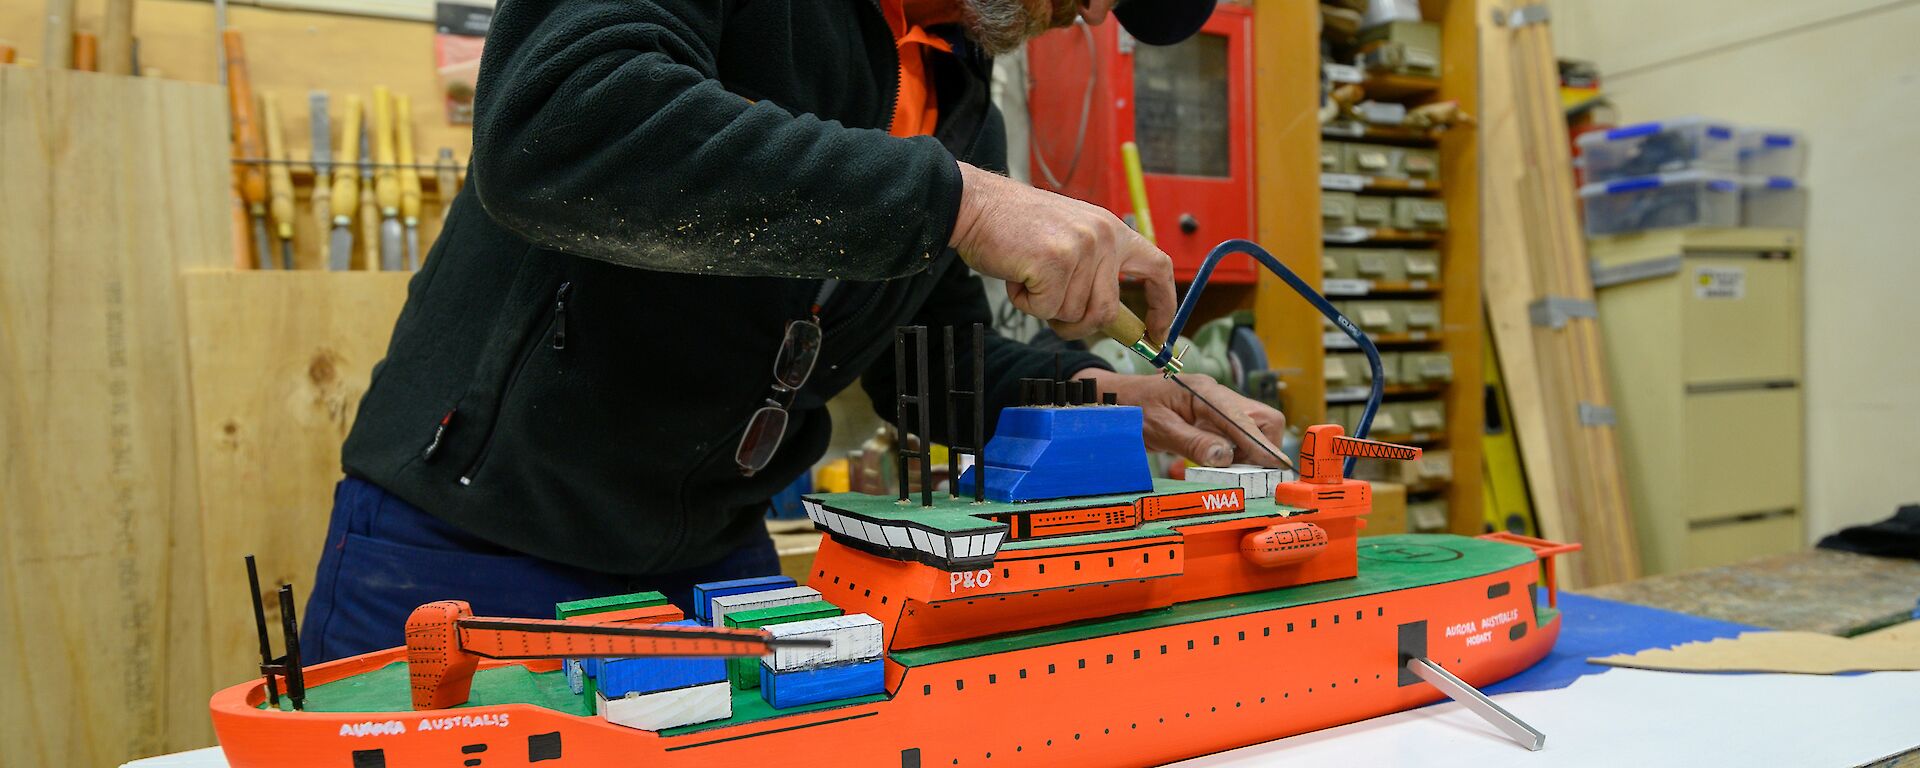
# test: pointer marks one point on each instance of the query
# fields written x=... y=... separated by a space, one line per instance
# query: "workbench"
x=1589 y=711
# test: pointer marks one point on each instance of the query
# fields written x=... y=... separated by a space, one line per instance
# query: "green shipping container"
x=745 y=673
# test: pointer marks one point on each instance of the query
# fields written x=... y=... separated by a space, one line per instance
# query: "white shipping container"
x=669 y=709
x=853 y=637
x=748 y=601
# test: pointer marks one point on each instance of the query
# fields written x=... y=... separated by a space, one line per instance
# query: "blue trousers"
x=385 y=557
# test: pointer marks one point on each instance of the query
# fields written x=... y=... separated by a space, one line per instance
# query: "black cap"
x=1163 y=22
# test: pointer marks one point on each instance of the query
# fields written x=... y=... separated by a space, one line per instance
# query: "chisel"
x=321 y=158
x=246 y=144
x=369 y=214
x=346 y=189
x=1131 y=332
x=446 y=169
x=444 y=172
x=279 y=180
x=409 y=178
x=386 y=184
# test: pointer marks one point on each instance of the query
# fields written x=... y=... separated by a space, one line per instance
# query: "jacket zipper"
x=556 y=327
x=893 y=48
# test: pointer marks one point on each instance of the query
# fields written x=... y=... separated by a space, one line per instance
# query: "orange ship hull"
x=1139 y=697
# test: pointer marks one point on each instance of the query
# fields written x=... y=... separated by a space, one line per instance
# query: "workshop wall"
x=1772 y=63
x=288 y=53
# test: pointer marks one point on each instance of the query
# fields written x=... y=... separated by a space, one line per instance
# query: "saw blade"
x=1281 y=457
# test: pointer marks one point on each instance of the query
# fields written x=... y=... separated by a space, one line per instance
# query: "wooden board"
x=279 y=362
x=1545 y=242
x=109 y=182
x=1508 y=280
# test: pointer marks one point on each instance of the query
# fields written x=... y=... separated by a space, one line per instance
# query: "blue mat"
x=1593 y=627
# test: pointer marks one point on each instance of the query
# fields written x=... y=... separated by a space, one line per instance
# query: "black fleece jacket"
x=658 y=187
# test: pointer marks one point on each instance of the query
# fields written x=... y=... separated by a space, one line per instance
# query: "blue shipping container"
x=812 y=686
x=703 y=594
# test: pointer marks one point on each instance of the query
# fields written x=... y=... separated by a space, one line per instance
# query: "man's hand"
x=1178 y=423
x=1062 y=258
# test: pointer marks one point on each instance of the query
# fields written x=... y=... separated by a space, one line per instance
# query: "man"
x=689 y=223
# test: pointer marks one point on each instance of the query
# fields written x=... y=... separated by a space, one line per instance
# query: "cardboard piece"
x=1809 y=653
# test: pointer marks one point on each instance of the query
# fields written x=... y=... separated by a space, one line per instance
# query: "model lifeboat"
x=1283 y=544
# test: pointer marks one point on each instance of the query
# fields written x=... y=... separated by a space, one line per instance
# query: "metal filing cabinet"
x=1704 y=343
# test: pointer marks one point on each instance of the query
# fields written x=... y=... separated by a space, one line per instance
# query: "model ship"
x=1058 y=606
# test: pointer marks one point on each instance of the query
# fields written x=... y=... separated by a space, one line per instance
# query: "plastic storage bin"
x=1772 y=152
x=1685 y=199
x=1774 y=202
x=1687 y=143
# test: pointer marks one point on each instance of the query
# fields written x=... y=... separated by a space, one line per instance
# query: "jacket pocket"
x=554 y=334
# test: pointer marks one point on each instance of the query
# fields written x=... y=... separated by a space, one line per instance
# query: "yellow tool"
x=386 y=183
x=345 y=196
x=1137 y=188
x=369 y=211
x=321 y=158
x=409 y=178
x=279 y=180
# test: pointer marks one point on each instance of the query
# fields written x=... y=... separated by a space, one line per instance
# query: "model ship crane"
x=1056 y=605
x=445 y=643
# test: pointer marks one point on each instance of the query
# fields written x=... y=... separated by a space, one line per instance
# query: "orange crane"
x=445 y=643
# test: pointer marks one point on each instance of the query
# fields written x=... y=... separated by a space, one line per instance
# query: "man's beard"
x=1001 y=26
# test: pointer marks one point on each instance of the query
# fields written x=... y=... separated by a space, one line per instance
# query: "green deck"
x=387 y=689
x=1387 y=563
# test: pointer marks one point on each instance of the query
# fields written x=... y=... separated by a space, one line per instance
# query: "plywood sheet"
x=279 y=362
x=1807 y=653
x=106 y=184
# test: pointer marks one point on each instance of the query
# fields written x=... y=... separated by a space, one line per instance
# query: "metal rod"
x=260 y=626
x=920 y=404
x=296 y=677
x=1477 y=702
x=978 y=399
x=953 y=426
x=291 y=163
x=900 y=406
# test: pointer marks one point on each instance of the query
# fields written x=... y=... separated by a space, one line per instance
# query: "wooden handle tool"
x=1128 y=329
x=279 y=180
x=344 y=199
x=386 y=184
x=86 y=52
x=246 y=143
x=409 y=177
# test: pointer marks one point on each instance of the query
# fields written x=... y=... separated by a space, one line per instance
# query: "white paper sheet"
x=1633 y=717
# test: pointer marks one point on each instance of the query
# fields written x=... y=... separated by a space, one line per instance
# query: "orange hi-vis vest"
x=914 y=112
